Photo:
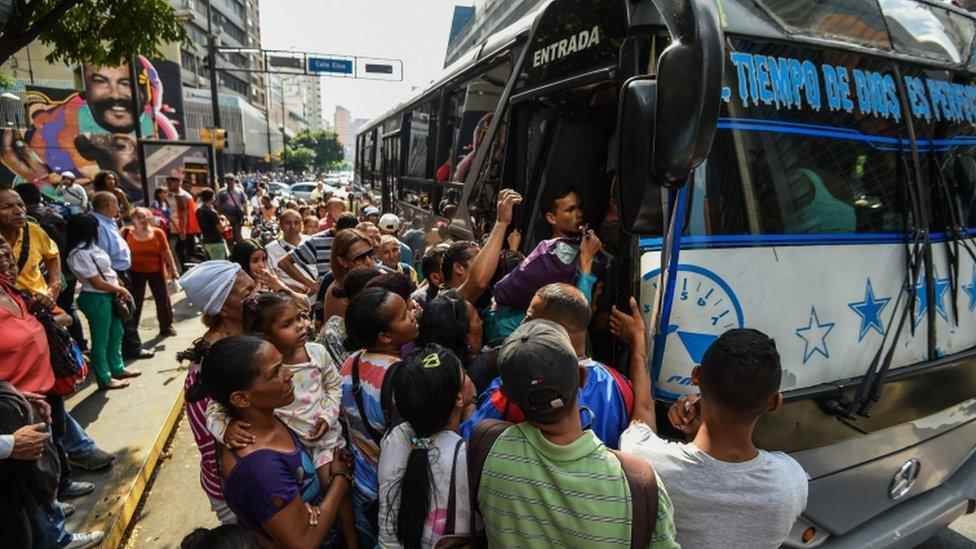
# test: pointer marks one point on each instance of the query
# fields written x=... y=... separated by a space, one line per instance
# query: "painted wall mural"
x=94 y=129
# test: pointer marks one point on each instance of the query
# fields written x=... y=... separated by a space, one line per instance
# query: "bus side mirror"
x=666 y=125
x=640 y=209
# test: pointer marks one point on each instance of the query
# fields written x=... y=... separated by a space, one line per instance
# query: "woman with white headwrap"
x=217 y=289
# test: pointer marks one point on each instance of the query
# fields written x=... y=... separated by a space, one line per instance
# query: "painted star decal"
x=870 y=312
x=814 y=336
x=971 y=290
x=941 y=287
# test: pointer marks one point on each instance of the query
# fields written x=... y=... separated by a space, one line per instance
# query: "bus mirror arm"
x=689 y=95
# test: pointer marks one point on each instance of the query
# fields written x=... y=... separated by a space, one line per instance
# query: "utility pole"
x=284 y=148
x=137 y=112
x=214 y=100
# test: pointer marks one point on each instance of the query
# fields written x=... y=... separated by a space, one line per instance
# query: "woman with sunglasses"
x=350 y=249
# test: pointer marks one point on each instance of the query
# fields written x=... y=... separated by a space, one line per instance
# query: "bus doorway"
x=562 y=142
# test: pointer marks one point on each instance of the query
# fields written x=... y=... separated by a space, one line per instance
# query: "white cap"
x=67 y=175
x=389 y=222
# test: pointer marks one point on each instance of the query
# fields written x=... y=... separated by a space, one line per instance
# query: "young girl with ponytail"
x=423 y=483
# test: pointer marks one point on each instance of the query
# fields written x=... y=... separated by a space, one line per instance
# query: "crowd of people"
x=365 y=385
x=363 y=382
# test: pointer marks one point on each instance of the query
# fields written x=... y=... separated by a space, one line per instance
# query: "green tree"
x=101 y=32
x=298 y=158
x=328 y=150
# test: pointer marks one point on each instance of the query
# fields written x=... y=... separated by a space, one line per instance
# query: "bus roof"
x=928 y=32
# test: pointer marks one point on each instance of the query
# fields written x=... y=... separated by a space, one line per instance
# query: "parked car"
x=303 y=189
x=276 y=188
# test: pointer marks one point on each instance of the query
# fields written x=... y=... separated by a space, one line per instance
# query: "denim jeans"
x=76 y=441
x=49 y=529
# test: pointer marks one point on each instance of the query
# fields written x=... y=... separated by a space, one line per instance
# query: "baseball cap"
x=389 y=222
x=229 y=177
x=67 y=175
x=538 y=366
x=370 y=210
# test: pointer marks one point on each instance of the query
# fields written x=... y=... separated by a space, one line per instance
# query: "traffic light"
x=220 y=139
x=217 y=136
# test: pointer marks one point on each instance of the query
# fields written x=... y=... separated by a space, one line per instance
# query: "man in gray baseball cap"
x=539 y=369
x=537 y=462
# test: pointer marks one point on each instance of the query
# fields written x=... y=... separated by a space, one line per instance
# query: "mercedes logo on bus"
x=904 y=479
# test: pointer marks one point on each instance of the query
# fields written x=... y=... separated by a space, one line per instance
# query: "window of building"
x=188 y=61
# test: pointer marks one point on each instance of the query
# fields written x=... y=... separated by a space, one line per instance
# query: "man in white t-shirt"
x=72 y=193
x=290 y=223
x=726 y=492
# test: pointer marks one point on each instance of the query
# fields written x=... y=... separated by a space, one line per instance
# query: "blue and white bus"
x=804 y=168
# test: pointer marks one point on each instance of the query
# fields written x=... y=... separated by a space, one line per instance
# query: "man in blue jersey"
x=605 y=399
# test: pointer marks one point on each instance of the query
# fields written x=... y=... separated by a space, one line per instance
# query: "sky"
x=414 y=31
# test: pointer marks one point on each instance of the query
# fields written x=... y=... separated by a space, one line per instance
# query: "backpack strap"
x=643 y=497
x=24 y=249
x=449 y=527
x=483 y=436
x=357 y=394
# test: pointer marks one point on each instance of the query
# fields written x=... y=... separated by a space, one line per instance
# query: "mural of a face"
x=109 y=94
x=114 y=152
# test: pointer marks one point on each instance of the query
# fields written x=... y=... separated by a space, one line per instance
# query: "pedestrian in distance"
x=153 y=265
x=105 y=208
x=270 y=484
x=179 y=226
x=423 y=482
x=209 y=220
x=108 y=181
x=71 y=193
x=233 y=203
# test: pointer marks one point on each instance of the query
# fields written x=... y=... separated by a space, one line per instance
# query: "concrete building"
x=342 y=120
x=236 y=24
x=488 y=17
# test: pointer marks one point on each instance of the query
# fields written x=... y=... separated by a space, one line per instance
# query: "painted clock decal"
x=703 y=308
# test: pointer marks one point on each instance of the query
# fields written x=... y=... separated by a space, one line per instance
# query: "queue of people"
x=351 y=406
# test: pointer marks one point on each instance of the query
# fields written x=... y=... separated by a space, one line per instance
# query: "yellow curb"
x=115 y=535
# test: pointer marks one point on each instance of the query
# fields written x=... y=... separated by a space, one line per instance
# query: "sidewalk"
x=133 y=423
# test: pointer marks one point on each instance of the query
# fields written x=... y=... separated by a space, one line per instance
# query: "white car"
x=279 y=189
x=303 y=189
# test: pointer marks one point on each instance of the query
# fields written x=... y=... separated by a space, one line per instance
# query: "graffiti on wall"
x=94 y=129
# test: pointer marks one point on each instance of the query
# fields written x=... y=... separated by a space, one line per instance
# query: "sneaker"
x=66 y=508
x=76 y=489
x=97 y=459
x=83 y=541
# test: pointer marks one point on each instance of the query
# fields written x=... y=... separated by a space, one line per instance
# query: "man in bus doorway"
x=571 y=256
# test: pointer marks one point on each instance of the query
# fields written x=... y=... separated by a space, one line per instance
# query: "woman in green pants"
x=99 y=286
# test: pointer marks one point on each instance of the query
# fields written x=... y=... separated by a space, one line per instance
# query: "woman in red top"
x=25 y=359
x=152 y=264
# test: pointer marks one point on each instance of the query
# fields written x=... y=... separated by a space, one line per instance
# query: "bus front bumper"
x=912 y=521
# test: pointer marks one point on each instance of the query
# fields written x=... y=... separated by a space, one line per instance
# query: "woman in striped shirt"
x=218 y=289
